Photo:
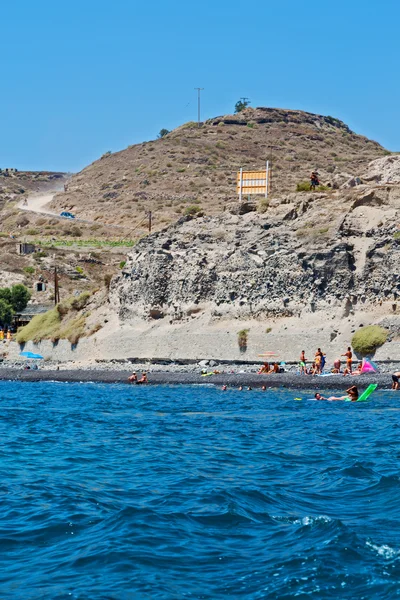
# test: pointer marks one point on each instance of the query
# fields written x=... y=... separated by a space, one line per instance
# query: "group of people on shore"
x=318 y=364
x=134 y=378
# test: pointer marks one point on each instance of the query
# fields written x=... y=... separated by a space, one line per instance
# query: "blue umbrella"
x=31 y=355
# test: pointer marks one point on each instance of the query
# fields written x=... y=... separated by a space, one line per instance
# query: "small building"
x=25 y=316
x=25 y=248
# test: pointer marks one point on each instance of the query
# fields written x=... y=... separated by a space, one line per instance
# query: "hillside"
x=197 y=166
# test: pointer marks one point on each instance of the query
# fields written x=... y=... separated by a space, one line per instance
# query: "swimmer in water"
x=319 y=397
x=264 y=388
x=352 y=394
x=224 y=388
x=240 y=388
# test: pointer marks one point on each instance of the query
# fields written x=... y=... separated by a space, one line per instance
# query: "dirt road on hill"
x=38 y=203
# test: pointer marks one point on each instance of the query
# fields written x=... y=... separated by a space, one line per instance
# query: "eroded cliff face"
x=308 y=252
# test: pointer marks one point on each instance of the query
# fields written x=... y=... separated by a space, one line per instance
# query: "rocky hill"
x=303 y=270
x=309 y=272
x=197 y=166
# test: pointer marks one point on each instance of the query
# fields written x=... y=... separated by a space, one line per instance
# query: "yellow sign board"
x=251 y=182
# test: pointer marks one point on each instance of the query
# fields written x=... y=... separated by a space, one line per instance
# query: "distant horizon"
x=96 y=78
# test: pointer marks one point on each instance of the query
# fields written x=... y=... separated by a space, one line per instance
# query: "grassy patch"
x=41 y=327
x=366 y=340
x=61 y=322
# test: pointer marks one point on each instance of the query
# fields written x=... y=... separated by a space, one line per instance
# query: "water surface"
x=111 y=491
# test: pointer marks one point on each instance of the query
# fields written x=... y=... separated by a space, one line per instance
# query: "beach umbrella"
x=31 y=355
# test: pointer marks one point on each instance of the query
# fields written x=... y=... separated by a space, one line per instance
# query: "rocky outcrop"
x=383 y=170
x=309 y=252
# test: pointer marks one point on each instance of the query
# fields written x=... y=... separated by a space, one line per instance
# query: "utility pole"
x=56 y=287
x=198 y=104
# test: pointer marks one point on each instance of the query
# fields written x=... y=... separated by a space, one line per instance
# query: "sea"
x=156 y=492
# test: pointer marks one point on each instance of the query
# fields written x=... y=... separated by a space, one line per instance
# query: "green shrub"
x=303 y=186
x=79 y=270
x=163 y=133
x=397 y=235
x=242 y=339
x=263 y=205
x=192 y=210
x=268 y=330
x=80 y=301
x=122 y=264
x=29 y=270
x=367 y=339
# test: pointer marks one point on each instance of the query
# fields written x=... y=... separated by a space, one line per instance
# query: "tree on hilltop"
x=163 y=133
x=241 y=104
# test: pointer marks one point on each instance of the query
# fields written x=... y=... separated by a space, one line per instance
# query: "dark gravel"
x=284 y=380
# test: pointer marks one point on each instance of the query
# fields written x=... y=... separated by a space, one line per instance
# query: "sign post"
x=254 y=183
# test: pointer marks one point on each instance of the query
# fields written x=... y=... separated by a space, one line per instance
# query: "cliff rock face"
x=308 y=251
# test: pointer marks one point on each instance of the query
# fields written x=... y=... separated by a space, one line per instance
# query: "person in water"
x=352 y=394
x=264 y=388
x=349 y=360
x=395 y=379
x=319 y=397
x=224 y=388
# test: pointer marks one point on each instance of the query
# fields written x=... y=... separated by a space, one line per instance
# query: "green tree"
x=20 y=296
x=6 y=312
x=163 y=133
x=241 y=104
x=5 y=294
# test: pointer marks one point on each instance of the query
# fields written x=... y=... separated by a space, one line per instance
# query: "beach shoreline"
x=233 y=380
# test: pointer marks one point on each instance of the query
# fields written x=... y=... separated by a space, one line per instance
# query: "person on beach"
x=336 y=365
x=133 y=378
x=349 y=360
x=302 y=363
x=395 y=379
x=352 y=394
x=264 y=369
x=143 y=379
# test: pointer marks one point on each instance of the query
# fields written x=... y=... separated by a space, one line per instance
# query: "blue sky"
x=81 y=78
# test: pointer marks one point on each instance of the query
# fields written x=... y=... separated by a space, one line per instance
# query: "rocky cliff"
x=307 y=250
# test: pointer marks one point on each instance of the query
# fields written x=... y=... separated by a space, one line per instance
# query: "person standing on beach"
x=349 y=359
x=395 y=379
x=302 y=363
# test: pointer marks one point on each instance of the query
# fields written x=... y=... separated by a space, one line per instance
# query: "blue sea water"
x=124 y=492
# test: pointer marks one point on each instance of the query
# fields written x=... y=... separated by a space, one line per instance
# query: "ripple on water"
x=188 y=492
